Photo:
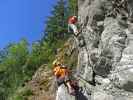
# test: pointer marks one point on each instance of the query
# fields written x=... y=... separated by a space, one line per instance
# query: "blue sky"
x=23 y=19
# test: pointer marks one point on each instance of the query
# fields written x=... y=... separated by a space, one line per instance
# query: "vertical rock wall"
x=105 y=61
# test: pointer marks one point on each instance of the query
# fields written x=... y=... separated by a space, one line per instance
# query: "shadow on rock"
x=128 y=86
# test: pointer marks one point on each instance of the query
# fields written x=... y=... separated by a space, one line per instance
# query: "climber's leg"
x=58 y=97
x=73 y=28
x=62 y=93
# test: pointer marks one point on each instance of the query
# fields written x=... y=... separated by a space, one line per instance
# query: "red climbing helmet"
x=72 y=19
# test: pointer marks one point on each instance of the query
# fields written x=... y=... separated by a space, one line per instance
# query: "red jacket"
x=72 y=20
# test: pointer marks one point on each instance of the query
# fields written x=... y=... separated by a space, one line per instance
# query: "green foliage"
x=18 y=61
x=56 y=27
x=21 y=94
x=12 y=66
x=56 y=30
x=73 y=7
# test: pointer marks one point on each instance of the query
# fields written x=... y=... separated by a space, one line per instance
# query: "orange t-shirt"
x=60 y=72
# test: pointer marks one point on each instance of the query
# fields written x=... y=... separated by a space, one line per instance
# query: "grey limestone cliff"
x=106 y=58
x=105 y=50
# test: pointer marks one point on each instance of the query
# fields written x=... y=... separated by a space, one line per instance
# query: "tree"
x=55 y=25
x=73 y=7
x=11 y=67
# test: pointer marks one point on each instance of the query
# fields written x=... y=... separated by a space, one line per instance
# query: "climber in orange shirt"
x=61 y=74
x=72 y=21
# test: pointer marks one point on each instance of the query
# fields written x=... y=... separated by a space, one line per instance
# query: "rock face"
x=41 y=85
x=126 y=63
x=105 y=62
x=105 y=55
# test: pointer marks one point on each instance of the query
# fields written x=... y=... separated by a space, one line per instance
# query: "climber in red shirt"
x=72 y=21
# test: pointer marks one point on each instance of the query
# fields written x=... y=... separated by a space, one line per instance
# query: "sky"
x=23 y=19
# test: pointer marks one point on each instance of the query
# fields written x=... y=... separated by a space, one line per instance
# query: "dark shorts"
x=61 y=81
